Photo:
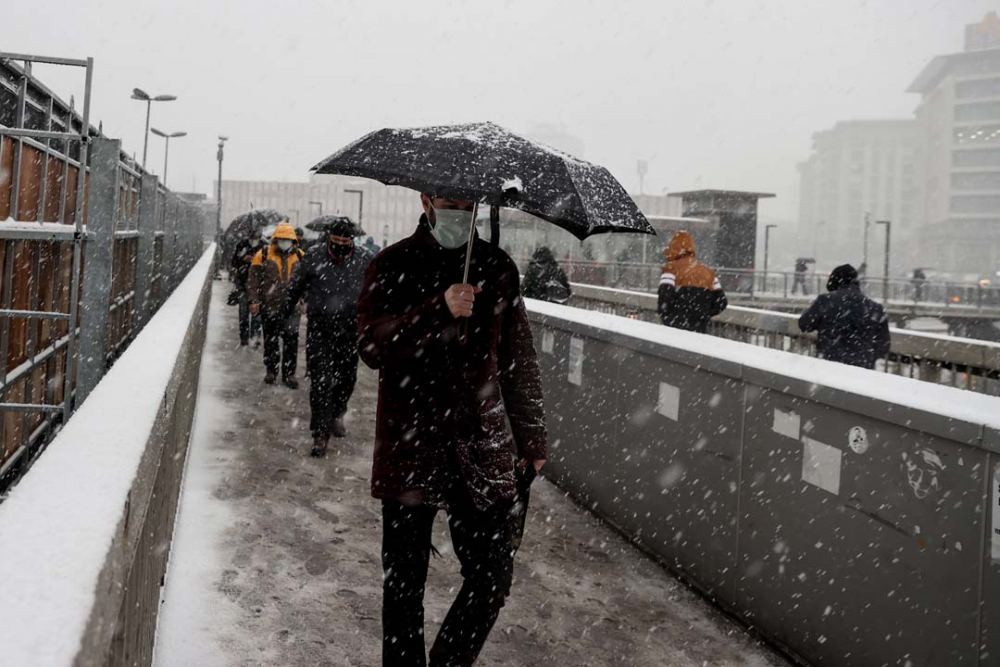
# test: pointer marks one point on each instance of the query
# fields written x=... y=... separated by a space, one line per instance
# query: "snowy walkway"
x=276 y=555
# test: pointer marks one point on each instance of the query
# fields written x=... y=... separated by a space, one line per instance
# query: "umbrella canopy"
x=488 y=164
x=340 y=223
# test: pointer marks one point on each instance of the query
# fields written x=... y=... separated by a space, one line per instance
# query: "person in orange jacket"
x=270 y=272
x=689 y=294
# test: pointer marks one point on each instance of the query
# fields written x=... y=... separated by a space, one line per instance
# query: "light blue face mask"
x=285 y=245
x=451 y=227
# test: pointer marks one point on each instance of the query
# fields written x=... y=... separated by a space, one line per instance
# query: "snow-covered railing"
x=851 y=516
x=85 y=536
x=962 y=362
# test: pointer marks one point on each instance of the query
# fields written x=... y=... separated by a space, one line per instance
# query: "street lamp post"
x=864 y=250
x=885 y=283
x=385 y=236
x=767 y=250
x=143 y=96
x=166 y=149
x=218 y=196
x=361 y=204
x=318 y=203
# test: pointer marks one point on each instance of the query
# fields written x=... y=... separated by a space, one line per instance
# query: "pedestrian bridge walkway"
x=276 y=555
x=851 y=517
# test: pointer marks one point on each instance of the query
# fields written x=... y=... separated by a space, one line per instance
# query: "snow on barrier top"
x=978 y=410
x=59 y=522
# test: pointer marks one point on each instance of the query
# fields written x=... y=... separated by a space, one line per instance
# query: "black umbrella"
x=342 y=222
x=488 y=164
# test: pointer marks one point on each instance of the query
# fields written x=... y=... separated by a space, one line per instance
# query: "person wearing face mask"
x=239 y=271
x=270 y=274
x=456 y=364
x=330 y=282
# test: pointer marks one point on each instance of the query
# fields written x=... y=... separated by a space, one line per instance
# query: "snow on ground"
x=276 y=559
x=58 y=523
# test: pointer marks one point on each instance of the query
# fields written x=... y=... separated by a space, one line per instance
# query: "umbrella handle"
x=463 y=327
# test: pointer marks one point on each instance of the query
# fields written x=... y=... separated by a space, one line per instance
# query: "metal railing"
x=931 y=297
x=73 y=195
x=958 y=362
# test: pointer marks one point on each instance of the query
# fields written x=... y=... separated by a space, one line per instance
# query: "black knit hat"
x=842 y=276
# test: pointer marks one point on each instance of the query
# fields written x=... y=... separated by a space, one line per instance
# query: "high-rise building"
x=959 y=125
x=857 y=168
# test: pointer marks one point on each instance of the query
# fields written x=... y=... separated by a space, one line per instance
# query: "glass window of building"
x=977 y=111
x=976 y=204
x=976 y=158
x=977 y=88
x=987 y=181
x=977 y=134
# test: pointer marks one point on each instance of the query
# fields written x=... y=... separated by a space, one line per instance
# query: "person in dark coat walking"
x=270 y=274
x=330 y=279
x=689 y=293
x=801 y=269
x=239 y=271
x=852 y=329
x=545 y=279
x=456 y=362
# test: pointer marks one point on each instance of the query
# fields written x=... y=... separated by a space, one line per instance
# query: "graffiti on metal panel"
x=922 y=471
x=857 y=439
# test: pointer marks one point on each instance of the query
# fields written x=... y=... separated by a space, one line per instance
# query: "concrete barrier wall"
x=86 y=535
x=850 y=516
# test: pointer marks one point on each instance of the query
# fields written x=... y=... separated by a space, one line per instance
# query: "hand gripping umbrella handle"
x=463 y=327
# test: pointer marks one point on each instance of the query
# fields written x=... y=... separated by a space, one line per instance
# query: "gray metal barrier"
x=852 y=517
x=958 y=362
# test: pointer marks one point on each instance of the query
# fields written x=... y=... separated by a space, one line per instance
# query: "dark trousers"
x=249 y=324
x=800 y=281
x=281 y=344
x=484 y=543
x=332 y=357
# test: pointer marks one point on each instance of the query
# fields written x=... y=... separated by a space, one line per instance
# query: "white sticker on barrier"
x=821 y=465
x=786 y=423
x=857 y=440
x=548 y=342
x=996 y=513
x=576 y=361
x=668 y=403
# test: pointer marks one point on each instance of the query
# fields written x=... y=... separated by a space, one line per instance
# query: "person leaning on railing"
x=689 y=294
x=852 y=329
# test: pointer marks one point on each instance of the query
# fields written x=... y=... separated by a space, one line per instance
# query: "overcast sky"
x=712 y=94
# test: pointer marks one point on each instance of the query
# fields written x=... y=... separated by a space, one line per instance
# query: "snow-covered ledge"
x=77 y=534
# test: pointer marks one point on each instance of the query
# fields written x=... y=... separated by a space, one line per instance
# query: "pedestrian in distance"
x=330 y=281
x=239 y=270
x=689 y=294
x=918 y=281
x=371 y=246
x=852 y=329
x=456 y=362
x=544 y=279
x=270 y=274
x=799 y=281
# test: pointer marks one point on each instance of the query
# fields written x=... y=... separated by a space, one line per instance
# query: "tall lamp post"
x=361 y=204
x=385 y=236
x=166 y=149
x=318 y=203
x=885 y=282
x=143 y=96
x=767 y=250
x=218 y=195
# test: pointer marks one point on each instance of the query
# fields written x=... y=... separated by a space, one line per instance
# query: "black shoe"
x=319 y=446
x=270 y=378
x=290 y=382
x=339 y=429
x=244 y=343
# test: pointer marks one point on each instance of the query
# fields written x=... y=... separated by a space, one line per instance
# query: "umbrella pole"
x=468 y=247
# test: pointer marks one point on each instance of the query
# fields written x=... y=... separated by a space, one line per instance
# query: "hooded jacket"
x=689 y=294
x=444 y=406
x=545 y=279
x=331 y=287
x=270 y=274
x=851 y=328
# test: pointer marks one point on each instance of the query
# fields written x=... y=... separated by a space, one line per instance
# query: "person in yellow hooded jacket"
x=689 y=294
x=270 y=272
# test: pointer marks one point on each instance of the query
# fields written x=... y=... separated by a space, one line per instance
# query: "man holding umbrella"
x=442 y=319
x=330 y=280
